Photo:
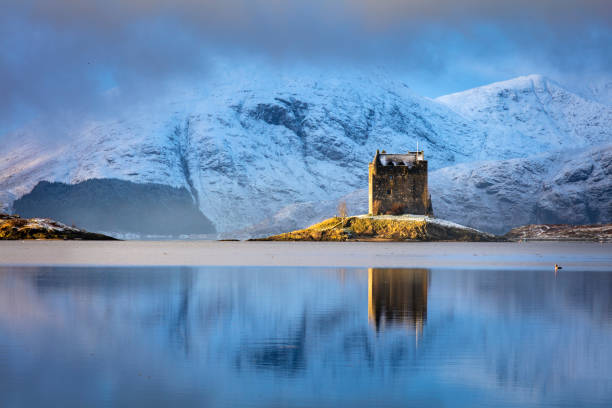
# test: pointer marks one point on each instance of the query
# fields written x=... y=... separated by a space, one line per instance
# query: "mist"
x=60 y=58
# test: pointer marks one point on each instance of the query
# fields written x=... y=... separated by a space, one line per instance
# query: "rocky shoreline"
x=561 y=232
x=13 y=227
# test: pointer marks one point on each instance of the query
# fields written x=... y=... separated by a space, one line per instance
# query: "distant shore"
x=573 y=256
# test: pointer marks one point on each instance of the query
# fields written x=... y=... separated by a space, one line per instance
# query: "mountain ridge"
x=246 y=149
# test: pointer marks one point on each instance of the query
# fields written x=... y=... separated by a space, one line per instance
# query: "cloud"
x=65 y=55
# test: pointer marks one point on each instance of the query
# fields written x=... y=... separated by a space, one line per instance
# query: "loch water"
x=304 y=337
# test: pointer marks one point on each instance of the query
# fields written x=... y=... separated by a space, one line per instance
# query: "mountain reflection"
x=285 y=355
x=397 y=297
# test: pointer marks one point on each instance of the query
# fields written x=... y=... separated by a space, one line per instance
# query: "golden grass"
x=371 y=229
x=15 y=228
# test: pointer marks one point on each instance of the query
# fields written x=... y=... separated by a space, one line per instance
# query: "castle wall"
x=398 y=189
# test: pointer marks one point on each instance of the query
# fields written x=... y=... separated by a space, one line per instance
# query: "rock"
x=561 y=232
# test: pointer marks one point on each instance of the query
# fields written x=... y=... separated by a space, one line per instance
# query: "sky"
x=59 y=57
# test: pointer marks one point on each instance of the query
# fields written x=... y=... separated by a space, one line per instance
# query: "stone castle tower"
x=398 y=184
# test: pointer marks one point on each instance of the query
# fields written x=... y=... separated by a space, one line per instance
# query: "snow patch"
x=425 y=218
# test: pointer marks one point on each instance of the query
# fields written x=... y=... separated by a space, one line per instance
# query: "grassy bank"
x=384 y=228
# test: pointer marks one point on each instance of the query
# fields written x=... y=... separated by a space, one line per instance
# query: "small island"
x=385 y=228
x=400 y=209
x=13 y=227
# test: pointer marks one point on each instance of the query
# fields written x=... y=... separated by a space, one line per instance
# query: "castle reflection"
x=397 y=297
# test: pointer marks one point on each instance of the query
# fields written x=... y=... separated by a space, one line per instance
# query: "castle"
x=398 y=184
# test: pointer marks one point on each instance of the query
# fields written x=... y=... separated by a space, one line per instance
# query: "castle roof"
x=407 y=159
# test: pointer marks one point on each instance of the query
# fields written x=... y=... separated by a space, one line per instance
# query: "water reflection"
x=300 y=337
x=398 y=297
x=285 y=355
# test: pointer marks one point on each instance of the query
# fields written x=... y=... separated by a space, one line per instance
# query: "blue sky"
x=62 y=55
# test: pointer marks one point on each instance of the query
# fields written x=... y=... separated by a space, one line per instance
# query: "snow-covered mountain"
x=571 y=186
x=246 y=146
x=535 y=113
x=597 y=90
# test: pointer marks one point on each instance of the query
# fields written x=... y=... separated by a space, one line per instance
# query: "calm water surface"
x=304 y=337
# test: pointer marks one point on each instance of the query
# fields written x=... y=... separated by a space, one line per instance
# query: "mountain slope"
x=535 y=113
x=116 y=205
x=573 y=187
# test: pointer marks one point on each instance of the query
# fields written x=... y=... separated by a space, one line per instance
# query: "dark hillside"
x=114 y=205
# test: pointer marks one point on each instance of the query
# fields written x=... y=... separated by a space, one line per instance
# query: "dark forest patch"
x=118 y=206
